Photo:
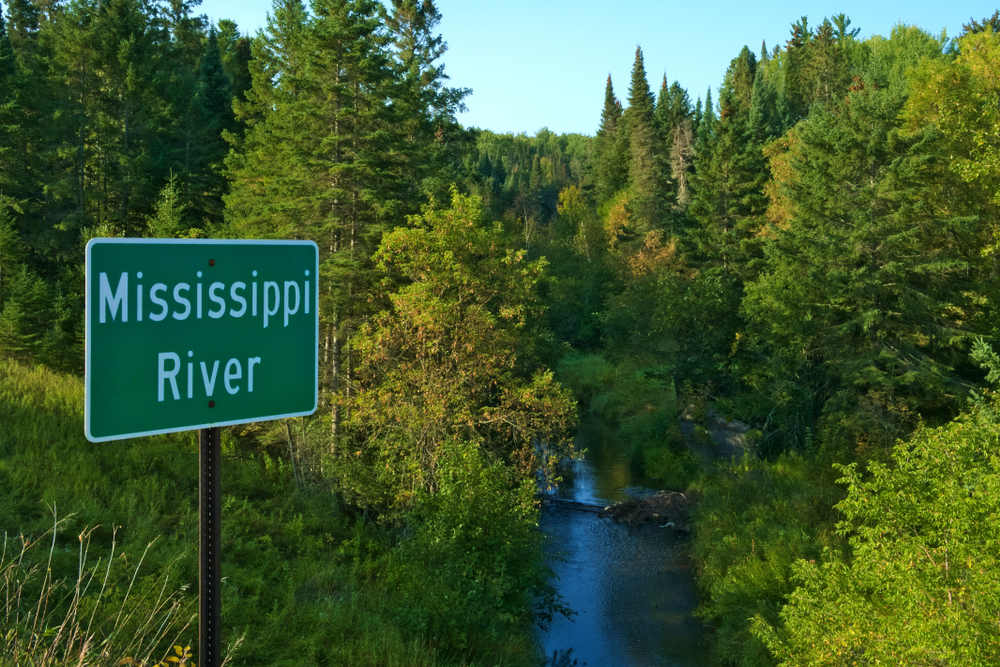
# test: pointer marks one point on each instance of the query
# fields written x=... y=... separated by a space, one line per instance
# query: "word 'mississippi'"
x=274 y=296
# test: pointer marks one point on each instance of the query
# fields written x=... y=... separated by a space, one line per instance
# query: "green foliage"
x=754 y=521
x=473 y=567
x=868 y=298
x=889 y=61
x=39 y=320
x=643 y=403
x=730 y=172
x=457 y=344
x=168 y=222
x=920 y=585
x=295 y=585
x=957 y=97
x=646 y=156
x=588 y=375
x=610 y=149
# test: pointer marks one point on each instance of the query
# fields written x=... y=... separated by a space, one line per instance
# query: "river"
x=631 y=588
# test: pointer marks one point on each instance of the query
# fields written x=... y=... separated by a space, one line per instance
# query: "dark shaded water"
x=631 y=588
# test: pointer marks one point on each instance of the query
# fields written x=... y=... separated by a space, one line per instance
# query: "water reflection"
x=630 y=587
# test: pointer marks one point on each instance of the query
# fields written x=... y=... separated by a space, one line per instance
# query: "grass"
x=106 y=615
x=123 y=552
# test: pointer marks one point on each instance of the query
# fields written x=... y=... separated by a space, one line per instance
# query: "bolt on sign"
x=191 y=334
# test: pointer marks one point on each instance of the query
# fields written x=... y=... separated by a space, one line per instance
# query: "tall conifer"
x=9 y=126
x=866 y=300
x=322 y=156
x=611 y=165
x=213 y=112
x=426 y=105
x=646 y=168
x=728 y=200
x=664 y=117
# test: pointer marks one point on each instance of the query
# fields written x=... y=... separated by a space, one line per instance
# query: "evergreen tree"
x=213 y=114
x=185 y=33
x=129 y=114
x=23 y=314
x=12 y=253
x=610 y=160
x=866 y=298
x=764 y=116
x=646 y=160
x=828 y=71
x=321 y=159
x=664 y=117
x=23 y=19
x=728 y=200
x=707 y=121
x=10 y=93
x=8 y=65
x=991 y=23
x=426 y=106
x=168 y=221
x=795 y=71
x=235 y=51
x=739 y=82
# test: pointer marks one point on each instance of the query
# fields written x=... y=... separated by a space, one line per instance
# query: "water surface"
x=631 y=588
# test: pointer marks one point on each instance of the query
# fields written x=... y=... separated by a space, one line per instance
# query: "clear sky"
x=543 y=63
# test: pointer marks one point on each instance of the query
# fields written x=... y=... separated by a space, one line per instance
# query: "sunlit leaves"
x=922 y=585
x=450 y=360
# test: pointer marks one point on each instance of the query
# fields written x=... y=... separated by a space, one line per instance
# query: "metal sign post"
x=209 y=547
x=189 y=335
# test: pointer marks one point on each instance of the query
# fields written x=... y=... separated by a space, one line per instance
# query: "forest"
x=811 y=248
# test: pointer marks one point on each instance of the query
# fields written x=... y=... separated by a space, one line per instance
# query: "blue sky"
x=543 y=63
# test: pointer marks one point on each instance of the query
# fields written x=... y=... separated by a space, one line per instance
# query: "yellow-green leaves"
x=922 y=585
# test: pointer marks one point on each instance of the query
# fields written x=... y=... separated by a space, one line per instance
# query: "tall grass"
x=106 y=615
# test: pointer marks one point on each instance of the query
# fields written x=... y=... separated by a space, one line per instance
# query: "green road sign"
x=189 y=334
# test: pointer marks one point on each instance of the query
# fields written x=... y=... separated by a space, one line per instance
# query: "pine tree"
x=828 y=71
x=23 y=19
x=168 y=222
x=765 y=121
x=426 y=106
x=12 y=252
x=610 y=161
x=10 y=92
x=235 y=51
x=867 y=297
x=664 y=117
x=25 y=101
x=8 y=65
x=129 y=114
x=213 y=115
x=728 y=200
x=796 y=87
x=646 y=160
x=739 y=81
x=706 y=127
x=322 y=154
